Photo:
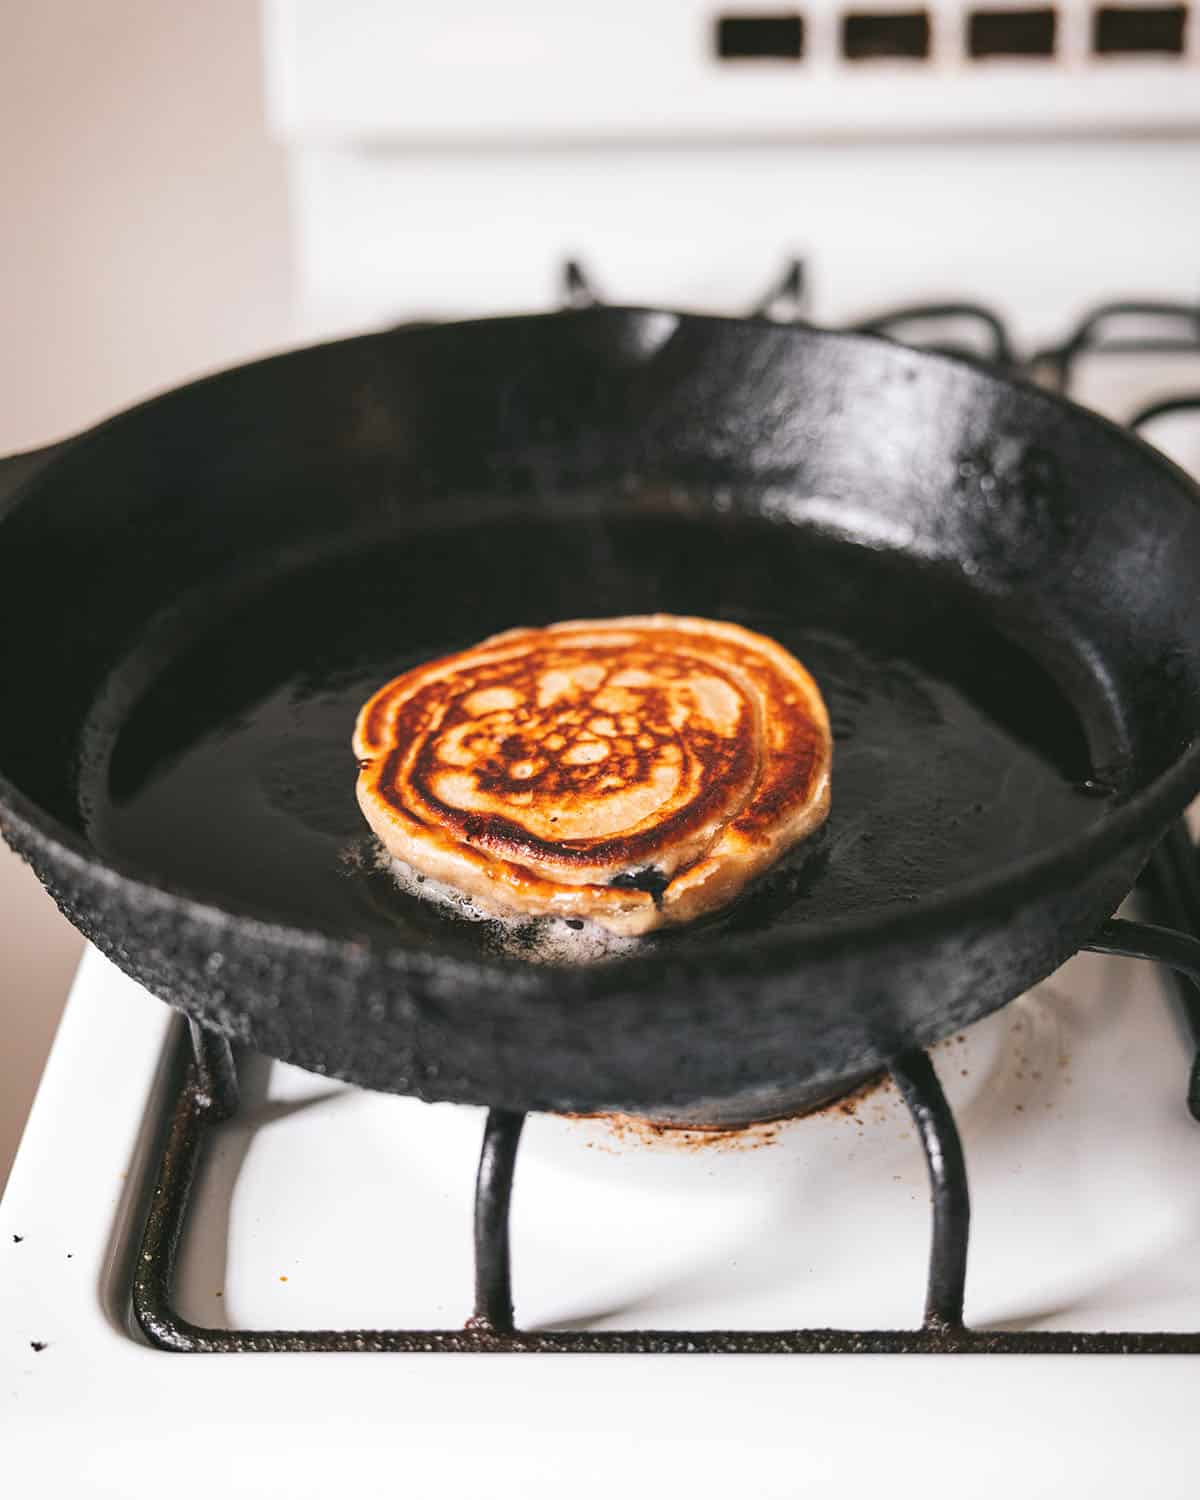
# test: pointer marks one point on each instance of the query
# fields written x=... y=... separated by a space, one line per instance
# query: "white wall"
x=144 y=240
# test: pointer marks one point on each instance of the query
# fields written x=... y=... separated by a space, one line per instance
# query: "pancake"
x=633 y=772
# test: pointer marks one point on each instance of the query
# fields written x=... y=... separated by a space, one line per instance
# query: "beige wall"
x=144 y=240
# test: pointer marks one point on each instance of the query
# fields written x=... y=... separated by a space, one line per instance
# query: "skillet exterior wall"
x=698 y=1044
x=1079 y=532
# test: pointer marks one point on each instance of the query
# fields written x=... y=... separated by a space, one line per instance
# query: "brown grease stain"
x=635 y=1130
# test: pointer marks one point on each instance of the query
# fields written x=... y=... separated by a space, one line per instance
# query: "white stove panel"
x=533 y=70
x=1178 y=435
x=1039 y=230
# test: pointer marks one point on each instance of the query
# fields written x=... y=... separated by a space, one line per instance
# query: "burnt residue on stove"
x=634 y=1130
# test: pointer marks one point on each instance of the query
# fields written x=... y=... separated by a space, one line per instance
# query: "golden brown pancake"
x=535 y=769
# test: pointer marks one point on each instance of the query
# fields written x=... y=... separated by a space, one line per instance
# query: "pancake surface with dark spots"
x=675 y=756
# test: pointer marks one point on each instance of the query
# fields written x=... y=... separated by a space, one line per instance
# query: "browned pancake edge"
x=535 y=768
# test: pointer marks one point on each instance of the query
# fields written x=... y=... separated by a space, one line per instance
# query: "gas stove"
x=161 y=1202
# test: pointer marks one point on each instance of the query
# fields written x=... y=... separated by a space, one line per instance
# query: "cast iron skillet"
x=996 y=591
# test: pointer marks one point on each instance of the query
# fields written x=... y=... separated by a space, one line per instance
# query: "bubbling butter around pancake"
x=633 y=772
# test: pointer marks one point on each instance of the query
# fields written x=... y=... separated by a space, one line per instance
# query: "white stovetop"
x=1086 y=1198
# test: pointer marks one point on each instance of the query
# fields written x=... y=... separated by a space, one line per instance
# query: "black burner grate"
x=209 y=1094
x=1122 y=328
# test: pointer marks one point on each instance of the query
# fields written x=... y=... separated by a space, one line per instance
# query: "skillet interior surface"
x=227 y=769
x=994 y=590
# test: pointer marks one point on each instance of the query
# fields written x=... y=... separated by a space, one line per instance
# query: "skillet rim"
x=986 y=897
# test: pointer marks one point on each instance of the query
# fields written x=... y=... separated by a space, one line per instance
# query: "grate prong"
x=493 y=1198
x=950 y=1197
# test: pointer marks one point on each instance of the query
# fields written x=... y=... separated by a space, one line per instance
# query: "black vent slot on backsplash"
x=1126 y=29
x=1011 y=33
x=777 y=36
x=867 y=34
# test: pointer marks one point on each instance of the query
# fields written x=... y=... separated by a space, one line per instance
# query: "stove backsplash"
x=1038 y=160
